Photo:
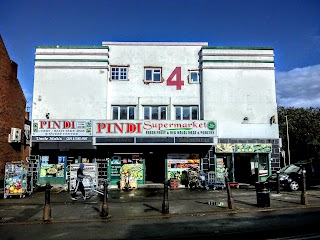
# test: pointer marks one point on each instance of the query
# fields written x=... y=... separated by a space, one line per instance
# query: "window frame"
x=127 y=108
x=181 y=109
x=190 y=79
x=152 y=69
x=159 y=108
x=119 y=68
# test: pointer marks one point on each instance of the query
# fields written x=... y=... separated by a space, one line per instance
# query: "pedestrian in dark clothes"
x=79 y=184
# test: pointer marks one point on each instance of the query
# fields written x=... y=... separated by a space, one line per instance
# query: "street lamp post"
x=283 y=153
x=288 y=139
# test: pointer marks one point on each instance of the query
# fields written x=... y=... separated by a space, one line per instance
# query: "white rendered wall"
x=72 y=89
x=136 y=92
x=231 y=91
x=234 y=90
x=70 y=94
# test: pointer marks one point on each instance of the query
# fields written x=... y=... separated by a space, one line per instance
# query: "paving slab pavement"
x=145 y=203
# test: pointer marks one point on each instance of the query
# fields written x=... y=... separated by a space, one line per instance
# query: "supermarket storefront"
x=143 y=148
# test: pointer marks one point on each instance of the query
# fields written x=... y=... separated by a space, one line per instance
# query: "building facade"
x=164 y=106
x=14 y=122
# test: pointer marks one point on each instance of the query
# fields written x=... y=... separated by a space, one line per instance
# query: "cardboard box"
x=133 y=184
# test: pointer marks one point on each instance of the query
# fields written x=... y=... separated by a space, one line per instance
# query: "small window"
x=123 y=112
x=153 y=75
x=194 y=77
x=119 y=73
x=155 y=112
x=187 y=113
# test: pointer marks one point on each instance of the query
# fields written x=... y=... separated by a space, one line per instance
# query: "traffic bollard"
x=165 y=203
x=105 y=207
x=278 y=182
x=229 y=192
x=47 y=205
x=304 y=199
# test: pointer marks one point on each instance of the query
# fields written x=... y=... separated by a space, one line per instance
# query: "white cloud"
x=299 y=87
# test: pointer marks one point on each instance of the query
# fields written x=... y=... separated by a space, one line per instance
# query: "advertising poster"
x=52 y=170
x=135 y=171
x=176 y=166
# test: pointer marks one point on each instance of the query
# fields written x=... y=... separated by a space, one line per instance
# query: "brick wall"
x=12 y=110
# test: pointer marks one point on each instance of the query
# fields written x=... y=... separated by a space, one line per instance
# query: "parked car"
x=291 y=176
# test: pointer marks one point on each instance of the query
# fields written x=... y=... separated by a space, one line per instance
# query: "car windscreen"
x=292 y=169
x=284 y=168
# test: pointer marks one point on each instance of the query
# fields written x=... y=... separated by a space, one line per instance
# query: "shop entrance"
x=244 y=168
x=155 y=167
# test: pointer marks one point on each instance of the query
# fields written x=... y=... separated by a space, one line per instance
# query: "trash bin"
x=263 y=194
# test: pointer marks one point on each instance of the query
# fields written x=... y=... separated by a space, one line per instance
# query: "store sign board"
x=194 y=140
x=114 y=140
x=115 y=170
x=155 y=140
x=161 y=128
x=243 y=148
x=61 y=139
x=65 y=127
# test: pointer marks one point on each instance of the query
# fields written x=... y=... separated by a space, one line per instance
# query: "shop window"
x=155 y=112
x=123 y=112
x=187 y=112
x=153 y=74
x=119 y=73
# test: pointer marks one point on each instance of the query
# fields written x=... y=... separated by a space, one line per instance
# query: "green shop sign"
x=243 y=148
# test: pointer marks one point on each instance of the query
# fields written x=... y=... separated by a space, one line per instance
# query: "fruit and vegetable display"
x=15 y=179
x=134 y=170
x=52 y=170
x=243 y=148
x=176 y=166
x=262 y=148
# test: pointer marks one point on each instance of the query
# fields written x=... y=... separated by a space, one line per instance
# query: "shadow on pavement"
x=151 y=208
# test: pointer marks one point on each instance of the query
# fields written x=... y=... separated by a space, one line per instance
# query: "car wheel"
x=294 y=186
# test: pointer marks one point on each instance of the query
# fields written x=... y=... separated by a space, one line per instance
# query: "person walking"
x=79 y=184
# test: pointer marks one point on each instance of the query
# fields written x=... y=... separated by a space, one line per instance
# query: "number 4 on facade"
x=178 y=82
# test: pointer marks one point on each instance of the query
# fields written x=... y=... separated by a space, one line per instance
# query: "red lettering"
x=109 y=128
x=66 y=124
x=100 y=127
x=120 y=128
x=57 y=124
x=139 y=127
x=131 y=128
x=43 y=123
x=178 y=81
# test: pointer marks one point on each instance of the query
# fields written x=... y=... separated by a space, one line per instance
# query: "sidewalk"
x=145 y=203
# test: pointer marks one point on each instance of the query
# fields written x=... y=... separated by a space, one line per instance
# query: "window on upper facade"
x=119 y=73
x=123 y=112
x=194 y=76
x=187 y=112
x=153 y=74
x=155 y=112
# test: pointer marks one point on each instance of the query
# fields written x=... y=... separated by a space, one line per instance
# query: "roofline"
x=240 y=48
x=74 y=47
x=155 y=43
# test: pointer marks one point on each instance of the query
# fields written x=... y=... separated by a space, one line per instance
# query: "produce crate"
x=133 y=184
x=174 y=184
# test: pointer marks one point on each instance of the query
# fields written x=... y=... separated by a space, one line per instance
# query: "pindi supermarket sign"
x=193 y=128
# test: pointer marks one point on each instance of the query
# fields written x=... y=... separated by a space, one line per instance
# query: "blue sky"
x=291 y=27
